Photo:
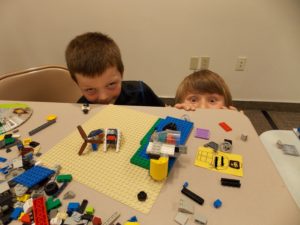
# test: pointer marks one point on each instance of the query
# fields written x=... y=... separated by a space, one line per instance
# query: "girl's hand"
x=185 y=106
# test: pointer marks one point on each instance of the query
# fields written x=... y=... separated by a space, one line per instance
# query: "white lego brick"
x=181 y=218
x=186 y=206
x=199 y=219
x=4 y=186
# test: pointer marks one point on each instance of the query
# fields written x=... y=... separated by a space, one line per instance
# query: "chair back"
x=45 y=84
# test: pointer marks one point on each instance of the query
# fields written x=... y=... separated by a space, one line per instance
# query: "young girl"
x=203 y=89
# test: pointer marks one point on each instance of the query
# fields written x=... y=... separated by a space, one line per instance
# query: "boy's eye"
x=90 y=90
x=213 y=100
x=112 y=85
x=193 y=99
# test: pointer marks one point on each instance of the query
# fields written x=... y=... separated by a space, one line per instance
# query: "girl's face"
x=205 y=101
x=102 y=89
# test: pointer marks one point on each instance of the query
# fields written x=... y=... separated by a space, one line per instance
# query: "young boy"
x=203 y=89
x=95 y=64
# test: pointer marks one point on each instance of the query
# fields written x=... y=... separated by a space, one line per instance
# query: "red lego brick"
x=225 y=126
x=97 y=221
x=40 y=212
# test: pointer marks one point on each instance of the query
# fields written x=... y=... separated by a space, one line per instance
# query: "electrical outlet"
x=194 y=62
x=241 y=64
x=204 y=62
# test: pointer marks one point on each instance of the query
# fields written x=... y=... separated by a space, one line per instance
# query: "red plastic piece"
x=40 y=212
x=25 y=219
x=97 y=221
x=225 y=126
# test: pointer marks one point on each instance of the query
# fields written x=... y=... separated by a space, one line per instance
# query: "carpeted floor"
x=281 y=120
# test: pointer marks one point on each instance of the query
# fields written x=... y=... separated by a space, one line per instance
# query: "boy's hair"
x=90 y=54
x=203 y=81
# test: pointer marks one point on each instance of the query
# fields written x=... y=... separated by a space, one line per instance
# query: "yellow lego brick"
x=110 y=173
x=23 y=198
x=26 y=141
x=159 y=168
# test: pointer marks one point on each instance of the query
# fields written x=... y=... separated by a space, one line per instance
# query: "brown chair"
x=44 y=84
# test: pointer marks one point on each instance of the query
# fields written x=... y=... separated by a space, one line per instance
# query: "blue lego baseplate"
x=33 y=176
x=142 y=159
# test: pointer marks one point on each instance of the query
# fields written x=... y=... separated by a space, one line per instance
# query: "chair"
x=46 y=83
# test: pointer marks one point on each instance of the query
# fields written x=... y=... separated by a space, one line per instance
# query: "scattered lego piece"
x=297 y=132
x=16 y=213
x=3 y=159
x=20 y=190
x=87 y=217
x=89 y=210
x=290 y=150
x=64 y=178
x=83 y=206
x=225 y=126
x=39 y=211
x=69 y=195
x=186 y=184
x=51 y=188
x=4 y=186
x=43 y=126
x=217 y=203
x=33 y=176
x=112 y=218
x=202 y=133
x=230 y=182
x=212 y=145
x=142 y=196
x=132 y=221
x=226 y=146
x=244 y=137
x=200 y=219
x=25 y=218
x=186 y=206
x=73 y=206
x=95 y=137
x=192 y=195
x=52 y=204
x=85 y=108
x=56 y=221
x=76 y=216
x=96 y=220
x=181 y=218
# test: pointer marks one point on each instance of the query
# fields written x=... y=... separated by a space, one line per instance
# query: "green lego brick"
x=52 y=204
x=64 y=178
x=136 y=159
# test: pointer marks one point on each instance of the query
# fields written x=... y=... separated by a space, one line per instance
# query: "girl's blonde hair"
x=203 y=81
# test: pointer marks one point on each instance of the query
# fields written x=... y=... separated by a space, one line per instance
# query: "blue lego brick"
x=2 y=159
x=33 y=176
x=16 y=213
x=73 y=206
x=142 y=159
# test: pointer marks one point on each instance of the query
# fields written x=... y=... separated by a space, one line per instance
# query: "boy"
x=95 y=64
x=203 y=89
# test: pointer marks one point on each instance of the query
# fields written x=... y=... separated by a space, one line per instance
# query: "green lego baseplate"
x=111 y=172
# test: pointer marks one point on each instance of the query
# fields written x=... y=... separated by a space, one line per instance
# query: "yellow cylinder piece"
x=159 y=168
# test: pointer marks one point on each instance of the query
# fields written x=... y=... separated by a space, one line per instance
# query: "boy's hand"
x=232 y=108
x=185 y=106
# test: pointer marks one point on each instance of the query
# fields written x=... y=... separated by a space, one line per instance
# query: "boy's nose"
x=102 y=98
x=203 y=105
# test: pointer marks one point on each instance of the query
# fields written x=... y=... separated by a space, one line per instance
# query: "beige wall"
x=157 y=39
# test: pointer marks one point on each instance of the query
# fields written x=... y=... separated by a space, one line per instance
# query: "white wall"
x=157 y=39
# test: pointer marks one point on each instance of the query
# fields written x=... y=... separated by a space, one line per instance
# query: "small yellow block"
x=159 y=168
x=51 y=117
x=26 y=141
x=23 y=198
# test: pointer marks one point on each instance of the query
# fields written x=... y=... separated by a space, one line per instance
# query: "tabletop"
x=263 y=197
x=288 y=166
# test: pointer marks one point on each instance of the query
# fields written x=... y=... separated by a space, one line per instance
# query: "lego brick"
x=225 y=126
x=192 y=195
x=39 y=211
x=202 y=133
x=33 y=176
x=109 y=172
x=64 y=178
x=181 y=218
x=16 y=213
x=186 y=206
x=42 y=127
x=200 y=219
x=112 y=218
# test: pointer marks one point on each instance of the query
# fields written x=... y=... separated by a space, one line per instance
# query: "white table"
x=288 y=166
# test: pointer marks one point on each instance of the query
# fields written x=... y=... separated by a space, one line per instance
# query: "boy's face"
x=102 y=89
x=205 y=101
